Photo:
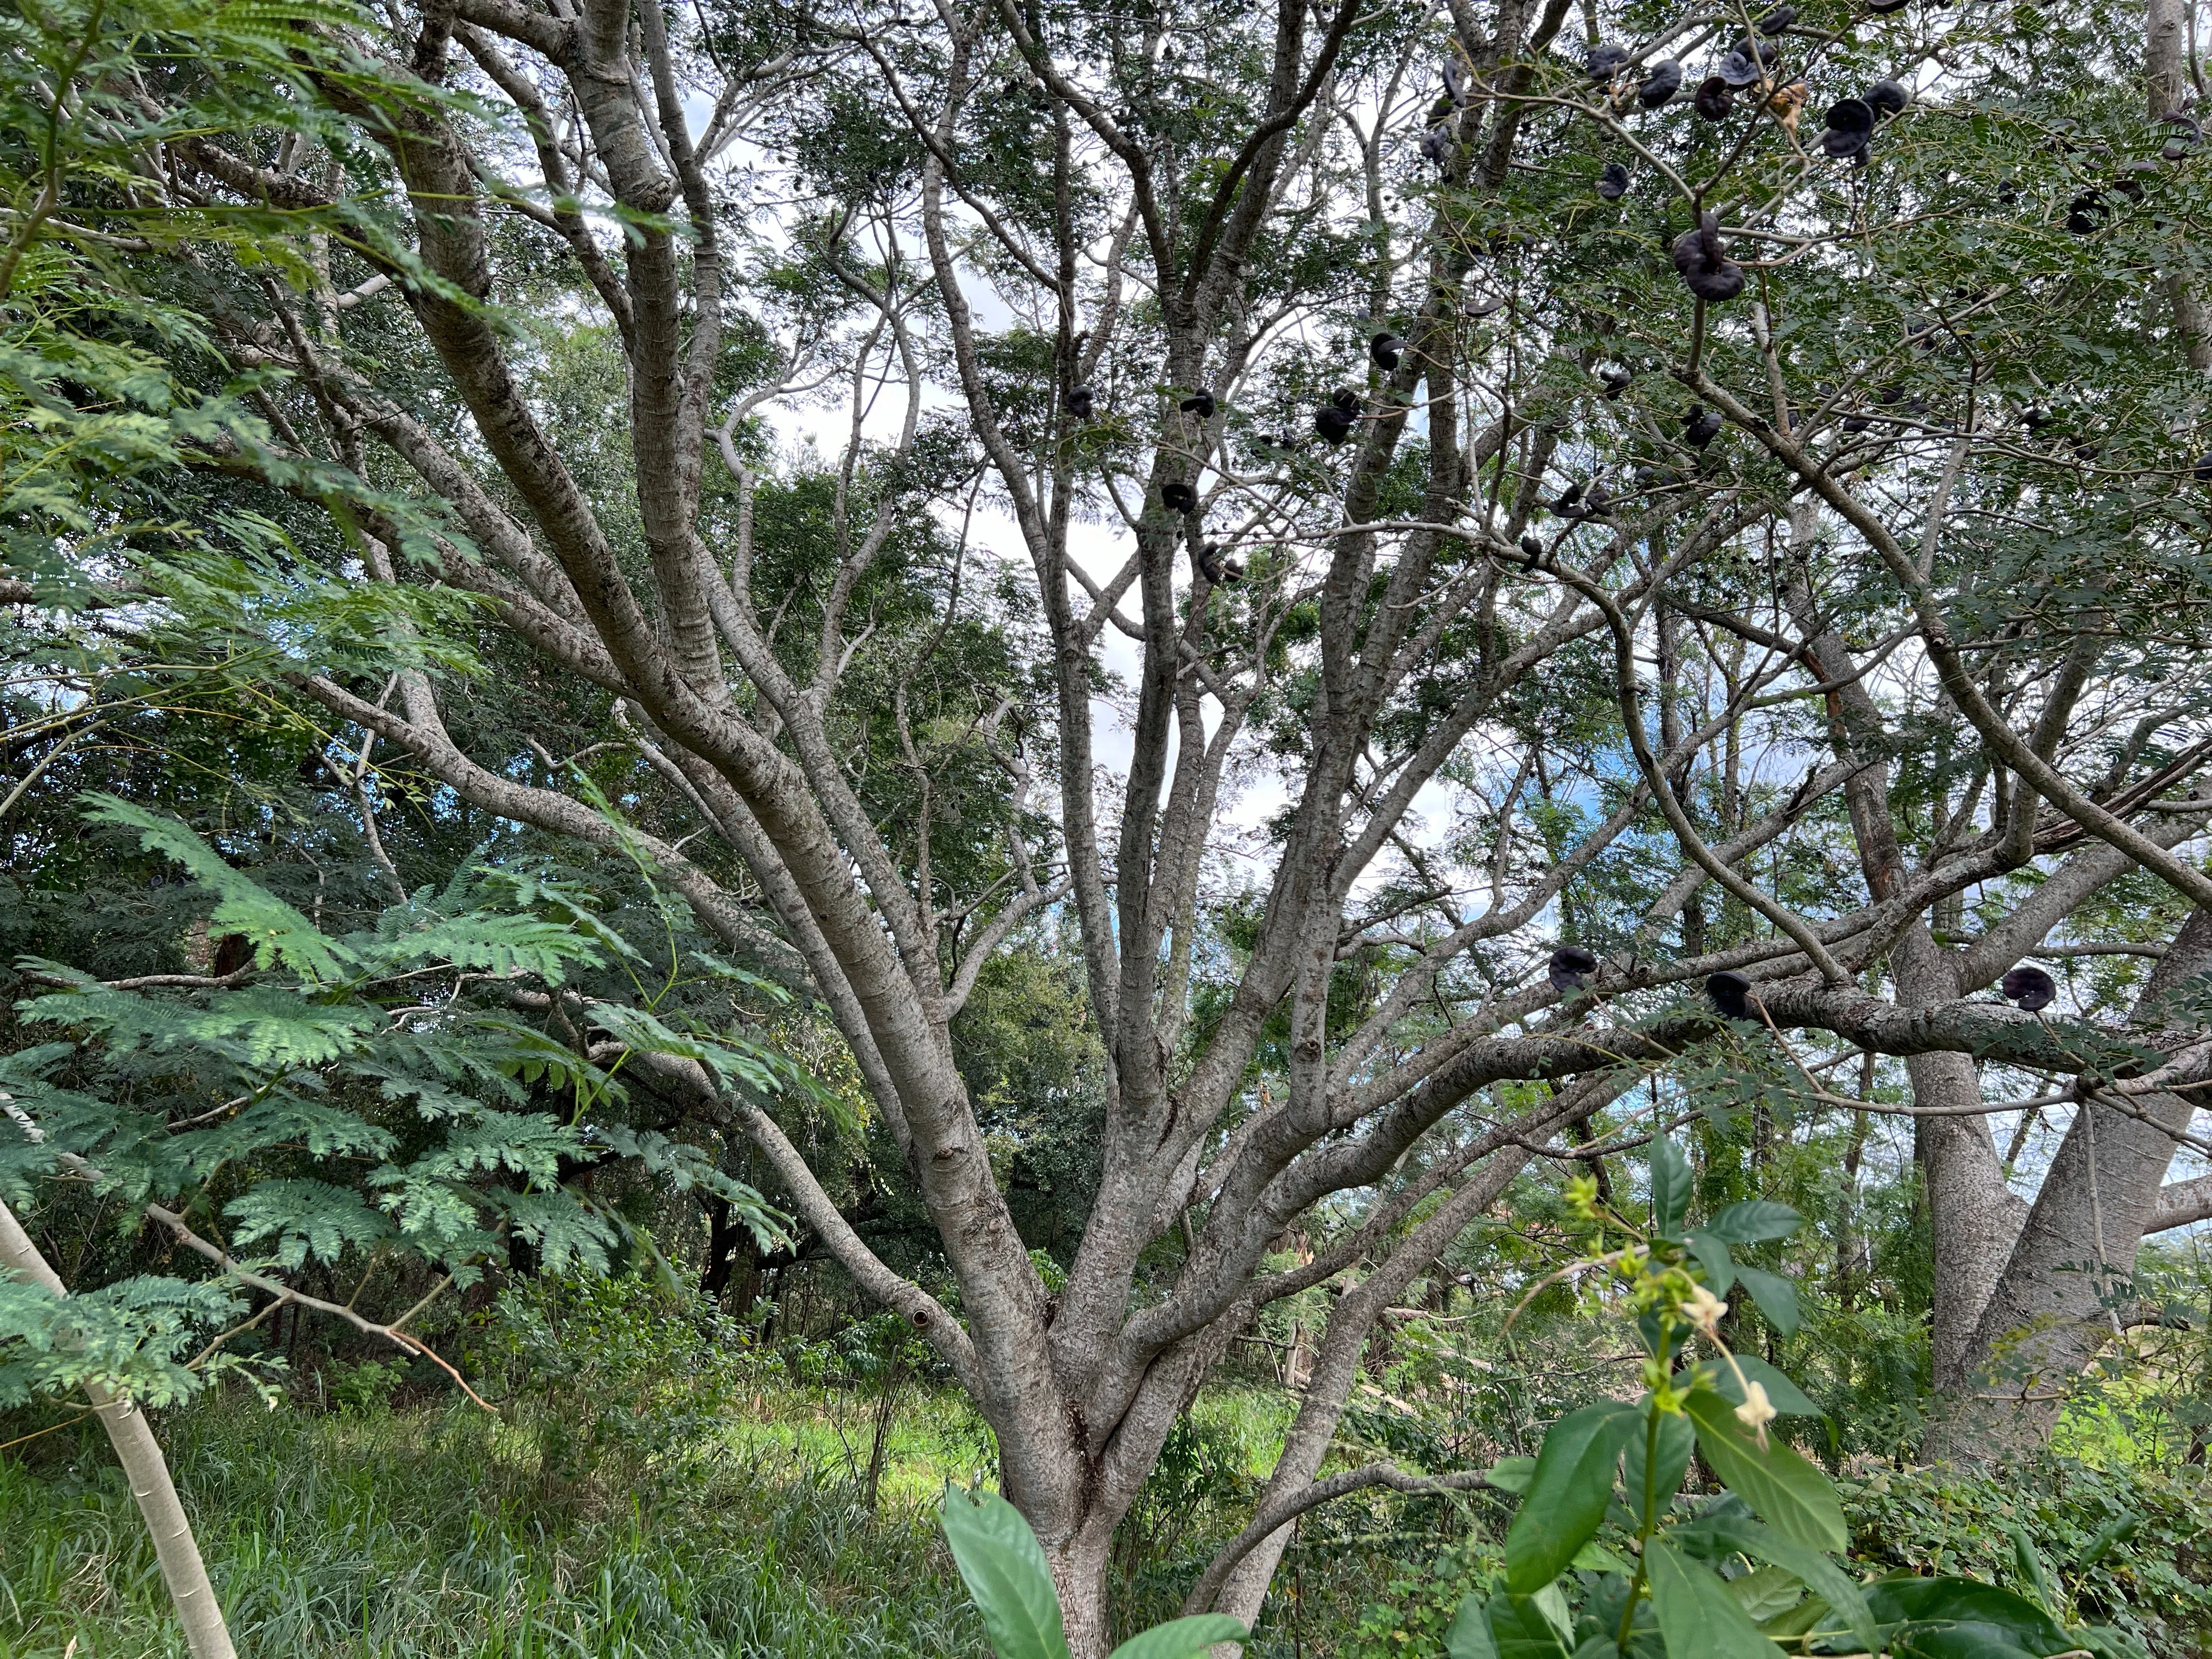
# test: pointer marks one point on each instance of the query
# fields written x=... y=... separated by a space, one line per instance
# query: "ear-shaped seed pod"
x=1605 y=61
x=2030 y=988
x=1661 y=84
x=2085 y=214
x=1613 y=183
x=1702 y=260
x=1455 y=86
x=1436 y=145
x=1568 y=966
x=2203 y=472
x=1885 y=6
x=1200 y=403
x=1333 y=420
x=1887 y=97
x=1704 y=425
x=1569 y=506
x=1616 y=377
x=1078 y=403
x=1216 y=569
x=1382 y=351
x=1713 y=100
x=1597 y=502
x=1844 y=146
x=1775 y=21
x=1730 y=993
x=2177 y=148
x=1532 y=547
x=1851 y=115
x=1178 y=498
x=1740 y=68
x=1483 y=308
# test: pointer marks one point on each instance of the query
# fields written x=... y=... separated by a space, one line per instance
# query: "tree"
x=1877 y=451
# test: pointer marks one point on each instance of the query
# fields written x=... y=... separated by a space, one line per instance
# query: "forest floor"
x=433 y=1532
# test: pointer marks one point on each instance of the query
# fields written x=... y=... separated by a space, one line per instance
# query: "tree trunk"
x=2166 y=75
x=144 y=1467
x=2058 y=1300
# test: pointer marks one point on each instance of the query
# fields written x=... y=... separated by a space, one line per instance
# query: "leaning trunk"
x=147 y=1470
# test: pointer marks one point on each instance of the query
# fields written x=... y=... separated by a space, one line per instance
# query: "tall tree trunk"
x=2165 y=75
x=2058 y=1300
x=147 y=1470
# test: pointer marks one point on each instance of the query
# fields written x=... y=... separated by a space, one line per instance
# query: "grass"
x=437 y=1532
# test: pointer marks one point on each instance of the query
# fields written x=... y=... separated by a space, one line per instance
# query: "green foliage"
x=1005 y=1570
x=341 y=1099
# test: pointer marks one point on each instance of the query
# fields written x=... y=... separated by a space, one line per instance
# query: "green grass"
x=440 y=1532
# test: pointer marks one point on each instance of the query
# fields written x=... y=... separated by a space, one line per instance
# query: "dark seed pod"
x=1613 y=183
x=1455 y=86
x=1843 y=144
x=1856 y=424
x=2174 y=149
x=1851 y=115
x=2191 y=134
x=1567 y=967
x=1888 y=97
x=1775 y=21
x=1730 y=993
x=1569 y=506
x=1436 y=145
x=2203 y=472
x=1885 y=6
x=2033 y=420
x=1713 y=100
x=1483 y=308
x=1532 y=547
x=1597 y=502
x=1200 y=403
x=2030 y=988
x=1703 y=261
x=1333 y=420
x=1661 y=84
x=2085 y=214
x=1384 y=350
x=1739 y=68
x=1704 y=425
x=1078 y=403
x=1605 y=61
x=1178 y=498
x=1216 y=569
x=1616 y=379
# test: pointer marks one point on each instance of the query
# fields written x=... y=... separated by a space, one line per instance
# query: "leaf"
x=1511 y=1474
x=1949 y=1601
x=1776 y=1296
x=1182 y=1639
x=1753 y=1221
x=1567 y=1494
x=1827 y=1580
x=2112 y=1533
x=1522 y=1628
x=1670 y=1187
x=1469 y=1635
x=1595 y=1556
x=1784 y=1396
x=2029 y=1560
x=1764 y=1592
x=1958 y=1641
x=1789 y=1493
x=1697 y=1615
x=1677 y=1440
x=1712 y=1253
x=1004 y=1567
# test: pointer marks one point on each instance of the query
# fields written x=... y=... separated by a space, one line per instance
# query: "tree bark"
x=2166 y=75
x=146 y=1469
x=2055 y=1304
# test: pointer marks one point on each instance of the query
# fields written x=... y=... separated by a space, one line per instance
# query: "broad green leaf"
x=2112 y=1533
x=1511 y=1474
x=1182 y=1638
x=1789 y=1493
x=1955 y=1640
x=1764 y=1592
x=1753 y=1221
x=1677 y=1440
x=1469 y=1635
x=1712 y=1253
x=1697 y=1615
x=1785 y=1396
x=1948 y=1600
x=1776 y=1296
x=1828 y=1581
x=1519 y=1630
x=1595 y=1556
x=2029 y=1560
x=1567 y=1494
x=1004 y=1567
x=1671 y=1182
